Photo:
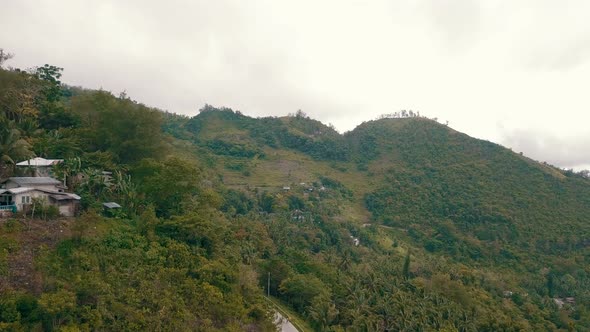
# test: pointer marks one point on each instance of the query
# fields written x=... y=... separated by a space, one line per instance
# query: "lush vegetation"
x=166 y=262
x=400 y=225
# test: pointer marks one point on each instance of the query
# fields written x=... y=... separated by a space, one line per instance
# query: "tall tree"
x=12 y=147
x=406 y=269
x=4 y=56
x=128 y=130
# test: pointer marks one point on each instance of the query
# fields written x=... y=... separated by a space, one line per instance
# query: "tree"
x=301 y=289
x=406 y=269
x=550 y=283
x=59 y=305
x=266 y=202
x=127 y=130
x=296 y=203
x=12 y=146
x=279 y=271
x=4 y=56
x=168 y=185
x=322 y=312
x=50 y=75
x=67 y=170
x=19 y=95
x=126 y=191
x=95 y=183
x=52 y=113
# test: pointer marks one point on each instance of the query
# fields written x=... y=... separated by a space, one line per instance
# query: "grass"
x=290 y=168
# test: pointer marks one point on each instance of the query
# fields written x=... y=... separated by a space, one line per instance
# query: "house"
x=18 y=193
x=46 y=183
x=560 y=302
x=39 y=166
x=110 y=209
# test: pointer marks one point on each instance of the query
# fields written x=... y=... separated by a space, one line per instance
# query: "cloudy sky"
x=512 y=72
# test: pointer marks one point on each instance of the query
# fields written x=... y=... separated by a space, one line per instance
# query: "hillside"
x=440 y=192
x=402 y=224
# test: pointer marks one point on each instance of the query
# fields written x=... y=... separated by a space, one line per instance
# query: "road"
x=285 y=324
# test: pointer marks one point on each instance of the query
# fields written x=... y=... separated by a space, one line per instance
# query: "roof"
x=111 y=205
x=39 y=162
x=53 y=194
x=20 y=190
x=65 y=196
x=27 y=180
x=74 y=196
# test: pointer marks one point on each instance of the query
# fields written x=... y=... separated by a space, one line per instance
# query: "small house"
x=111 y=209
x=46 y=183
x=39 y=166
x=18 y=193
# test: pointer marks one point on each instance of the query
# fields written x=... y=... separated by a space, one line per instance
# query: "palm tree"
x=95 y=183
x=12 y=147
x=127 y=191
x=68 y=170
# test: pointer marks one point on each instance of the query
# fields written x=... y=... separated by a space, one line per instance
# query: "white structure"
x=39 y=166
x=17 y=193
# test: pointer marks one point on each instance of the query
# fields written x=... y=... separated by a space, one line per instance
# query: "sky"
x=512 y=72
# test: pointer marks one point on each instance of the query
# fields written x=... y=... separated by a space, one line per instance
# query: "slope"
x=519 y=226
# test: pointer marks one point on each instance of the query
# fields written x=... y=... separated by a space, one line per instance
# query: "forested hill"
x=402 y=224
x=419 y=175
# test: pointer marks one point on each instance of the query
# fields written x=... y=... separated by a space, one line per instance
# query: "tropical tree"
x=95 y=183
x=68 y=170
x=322 y=312
x=126 y=191
x=19 y=95
x=4 y=56
x=12 y=147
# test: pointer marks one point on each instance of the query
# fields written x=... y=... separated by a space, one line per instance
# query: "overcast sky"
x=512 y=72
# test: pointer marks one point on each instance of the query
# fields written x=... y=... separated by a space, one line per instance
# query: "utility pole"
x=268 y=286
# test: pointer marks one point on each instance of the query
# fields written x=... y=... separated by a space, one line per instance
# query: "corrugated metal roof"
x=28 y=180
x=111 y=205
x=65 y=196
x=21 y=190
x=59 y=197
x=74 y=196
x=39 y=162
x=52 y=193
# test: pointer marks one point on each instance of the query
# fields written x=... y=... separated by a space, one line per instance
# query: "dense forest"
x=402 y=224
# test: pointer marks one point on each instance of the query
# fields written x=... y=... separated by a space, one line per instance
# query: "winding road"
x=284 y=323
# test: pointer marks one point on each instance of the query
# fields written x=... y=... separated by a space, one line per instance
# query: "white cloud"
x=569 y=152
x=521 y=65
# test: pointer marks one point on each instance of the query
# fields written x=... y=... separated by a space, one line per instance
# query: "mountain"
x=402 y=224
x=441 y=193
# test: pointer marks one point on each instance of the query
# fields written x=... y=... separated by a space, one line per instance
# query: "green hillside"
x=473 y=203
x=402 y=224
